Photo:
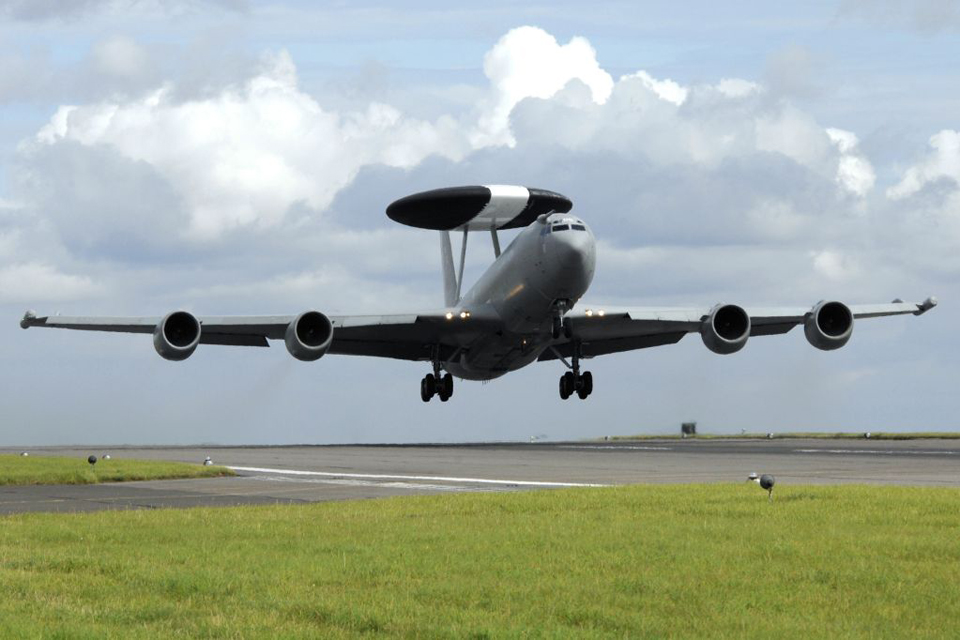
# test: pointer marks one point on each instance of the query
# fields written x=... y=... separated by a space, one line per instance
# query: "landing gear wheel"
x=445 y=387
x=587 y=382
x=567 y=383
x=428 y=387
x=582 y=391
x=448 y=384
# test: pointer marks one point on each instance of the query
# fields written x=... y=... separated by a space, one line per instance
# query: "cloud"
x=39 y=282
x=36 y=10
x=925 y=16
x=243 y=157
x=942 y=163
x=528 y=62
x=854 y=172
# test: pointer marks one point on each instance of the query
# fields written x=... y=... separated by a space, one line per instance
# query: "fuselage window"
x=578 y=227
x=561 y=227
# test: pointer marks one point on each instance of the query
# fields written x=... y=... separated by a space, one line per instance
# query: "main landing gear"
x=575 y=382
x=434 y=384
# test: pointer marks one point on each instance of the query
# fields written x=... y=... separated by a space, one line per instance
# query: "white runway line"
x=386 y=485
x=372 y=476
x=612 y=448
x=882 y=452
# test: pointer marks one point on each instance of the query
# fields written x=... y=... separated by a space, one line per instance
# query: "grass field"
x=639 y=561
x=807 y=435
x=21 y=470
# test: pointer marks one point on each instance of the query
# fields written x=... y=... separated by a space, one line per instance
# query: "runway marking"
x=386 y=485
x=612 y=447
x=882 y=452
x=377 y=476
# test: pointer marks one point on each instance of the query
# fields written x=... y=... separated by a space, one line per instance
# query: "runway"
x=298 y=474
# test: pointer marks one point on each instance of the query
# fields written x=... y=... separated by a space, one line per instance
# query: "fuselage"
x=550 y=263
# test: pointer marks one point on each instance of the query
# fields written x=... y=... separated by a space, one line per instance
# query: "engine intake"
x=829 y=325
x=726 y=329
x=176 y=336
x=309 y=336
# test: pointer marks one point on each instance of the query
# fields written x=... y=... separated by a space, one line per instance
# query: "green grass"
x=814 y=435
x=20 y=470
x=641 y=561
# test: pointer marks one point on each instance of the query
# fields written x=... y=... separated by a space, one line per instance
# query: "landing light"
x=589 y=313
x=449 y=315
x=601 y=313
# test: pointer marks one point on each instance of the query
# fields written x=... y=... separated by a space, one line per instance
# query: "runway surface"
x=297 y=474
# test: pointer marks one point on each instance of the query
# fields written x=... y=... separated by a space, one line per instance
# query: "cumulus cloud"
x=942 y=162
x=248 y=155
x=854 y=171
x=245 y=156
x=528 y=62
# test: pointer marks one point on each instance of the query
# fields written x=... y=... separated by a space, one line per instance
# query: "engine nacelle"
x=177 y=336
x=726 y=329
x=309 y=336
x=829 y=325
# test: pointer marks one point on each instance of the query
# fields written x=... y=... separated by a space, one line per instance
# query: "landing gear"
x=573 y=381
x=570 y=383
x=560 y=325
x=434 y=384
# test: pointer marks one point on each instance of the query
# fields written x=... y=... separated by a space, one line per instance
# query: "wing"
x=603 y=330
x=403 y=336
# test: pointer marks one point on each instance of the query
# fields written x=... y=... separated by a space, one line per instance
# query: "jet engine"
x=309 y=336
x=176 y=336
x=829 y=325
x=726 y=329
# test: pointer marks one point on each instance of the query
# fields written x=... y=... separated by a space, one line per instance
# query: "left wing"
x=725 y=328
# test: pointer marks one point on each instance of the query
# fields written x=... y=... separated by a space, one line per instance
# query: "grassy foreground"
x=805 y=435
x=20 y=470
x=639 y=561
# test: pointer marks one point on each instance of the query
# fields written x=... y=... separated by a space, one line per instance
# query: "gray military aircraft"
x=522 y=309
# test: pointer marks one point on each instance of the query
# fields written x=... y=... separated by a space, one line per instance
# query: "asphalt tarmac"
x=299 y=474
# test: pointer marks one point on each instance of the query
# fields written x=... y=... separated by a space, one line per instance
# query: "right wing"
x=403 y=336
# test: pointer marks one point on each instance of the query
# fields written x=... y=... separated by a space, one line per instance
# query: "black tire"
x=425 y=394
x=582 y=392
x=431 y=383
x=447 y=385
x=567 y=385
x=587 y=382
x=557 y=328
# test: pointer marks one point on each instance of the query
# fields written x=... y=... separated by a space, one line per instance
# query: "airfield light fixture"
x=25 y=454
x=92 y=460
x=106 y=456
x=207 y=461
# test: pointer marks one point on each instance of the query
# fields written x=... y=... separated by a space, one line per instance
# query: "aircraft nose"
x=574 y=250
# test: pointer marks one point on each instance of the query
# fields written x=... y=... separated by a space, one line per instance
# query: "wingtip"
x=27 y=321
x=927 y=304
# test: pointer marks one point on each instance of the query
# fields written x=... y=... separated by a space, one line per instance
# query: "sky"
x=236 y=157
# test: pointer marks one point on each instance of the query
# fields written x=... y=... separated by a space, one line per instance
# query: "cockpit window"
x=561 y=227
x=578 y=227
